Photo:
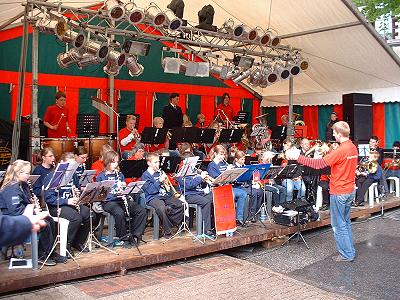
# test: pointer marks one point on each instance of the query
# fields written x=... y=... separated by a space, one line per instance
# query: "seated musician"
x=255 y=192
x=278 y=191
x=117 y=206
x=15 y=195
x=128 y=136
x=168 y=208
x=296 y=182
x=215 y=168
x=138 y=152
x=201 y=121
x=195 y=194
x=158 y=122
x=209 y=148
x=66 y=198
x=98 y=165
x=47 y=158
x=366 y=176
x=81 y=156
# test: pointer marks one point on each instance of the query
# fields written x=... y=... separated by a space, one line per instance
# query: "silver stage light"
x=136 y=15
x=69 y=58
x=282 y=72
x=171 y=65
x=253 y=34
x=114 y=63
x=80 y=40
x=52 y=25
x=274 y=39
x=174 y=23
x=115 y=9
x=100 y=50
x=255 y=77
x=87 y=59
x=69 y=36
x=215 y=69
x=294 y=69
x=157 y=17
x=242 y=76
x=304 y=64
x=232 y=74
x=134 y=68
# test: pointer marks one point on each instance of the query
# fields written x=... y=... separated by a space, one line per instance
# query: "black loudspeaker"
x=357 y=111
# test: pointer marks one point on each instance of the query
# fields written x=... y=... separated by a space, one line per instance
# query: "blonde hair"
x=67 y=156
x=109 y=157
x=342 y=127
x=12 y=171
x=218 y=149
x=158 y=119
x=104 y=149
x=130 y=118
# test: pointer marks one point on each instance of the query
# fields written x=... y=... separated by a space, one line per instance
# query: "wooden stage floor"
x=154 y=252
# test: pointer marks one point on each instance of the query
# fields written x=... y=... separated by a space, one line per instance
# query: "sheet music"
x=133 y=187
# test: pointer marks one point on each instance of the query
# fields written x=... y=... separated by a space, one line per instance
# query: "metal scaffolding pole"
x=290 y=128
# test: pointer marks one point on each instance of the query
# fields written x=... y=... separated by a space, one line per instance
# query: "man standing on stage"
x=329 y=131
x=56 y=118
x=224 y=109
x=343 y=163
x=172 y=115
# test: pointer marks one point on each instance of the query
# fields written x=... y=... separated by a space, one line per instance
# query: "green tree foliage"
x=374 y=9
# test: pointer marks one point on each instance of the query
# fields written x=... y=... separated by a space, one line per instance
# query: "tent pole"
x=290 y=129
x=34 y=130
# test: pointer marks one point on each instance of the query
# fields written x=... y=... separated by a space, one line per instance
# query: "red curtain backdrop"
x=310 y=117
x=256 y=110
x=338 y=109
x=280 y=111
x=207 y=107
x=378 y=125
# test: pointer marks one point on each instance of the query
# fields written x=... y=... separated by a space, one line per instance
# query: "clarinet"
x=34 y=198
x=124 y=197
x=75 y=195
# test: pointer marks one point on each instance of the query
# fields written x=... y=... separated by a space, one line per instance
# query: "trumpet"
x=320 y=147
x=168 y=186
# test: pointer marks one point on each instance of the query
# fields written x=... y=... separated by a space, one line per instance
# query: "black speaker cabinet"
x=357 y=111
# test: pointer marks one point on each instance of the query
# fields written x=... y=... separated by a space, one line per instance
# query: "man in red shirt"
x=343 y=163
x=224 y=109
x=128 y=136
x=56 y=118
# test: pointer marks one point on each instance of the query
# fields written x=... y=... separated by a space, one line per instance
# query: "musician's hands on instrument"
x=203 y=174
x=36 y=220
x=292 y=154
x=163 y=177
x=73 y=201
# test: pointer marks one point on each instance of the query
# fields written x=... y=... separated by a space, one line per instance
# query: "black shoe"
x=240 y=223
x=81 y=248
x=50 y=262
x=210 y=233
x=58 y=258
x=358 y=203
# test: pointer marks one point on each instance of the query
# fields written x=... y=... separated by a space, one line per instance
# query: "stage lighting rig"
x=155 y=15
x=134 y=68
x=206 y=18
x=177 y=6
x=69 y=58
x=115 y=62
x=115 y=9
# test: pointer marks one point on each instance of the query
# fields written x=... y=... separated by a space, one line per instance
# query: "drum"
x=59 y=146
x=94 y=145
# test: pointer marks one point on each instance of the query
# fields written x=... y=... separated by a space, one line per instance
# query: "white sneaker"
x=278 y=209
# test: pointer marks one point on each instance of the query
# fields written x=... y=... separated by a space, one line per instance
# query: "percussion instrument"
x=94 y=145
x=59 y=145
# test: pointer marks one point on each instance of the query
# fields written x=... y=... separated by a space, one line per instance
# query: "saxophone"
x=34 y=198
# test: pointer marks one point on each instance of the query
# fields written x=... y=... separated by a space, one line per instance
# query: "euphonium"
x=372 y=167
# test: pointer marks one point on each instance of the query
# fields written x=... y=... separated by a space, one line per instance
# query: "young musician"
x=128 y=136
x=98 y=165
x=169 y=209
x=56 y=118
x=117 y=206
x=224 y=109
x=192 y=186
x=47 y=165
x=81 y=156
x=158 y=122
x=66 y=197
x=15 y=195
x=215 y=168
x=256 y=194
x=201 y=121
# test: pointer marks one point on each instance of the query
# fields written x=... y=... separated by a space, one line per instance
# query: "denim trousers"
x=340 y=206
x=292 y=185
x=240 y=199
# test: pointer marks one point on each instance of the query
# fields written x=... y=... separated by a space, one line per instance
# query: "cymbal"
x=262 y=116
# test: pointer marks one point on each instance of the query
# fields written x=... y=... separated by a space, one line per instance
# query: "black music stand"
x=231 y=136
x=61 y=177
x=133 y=168
x=87 y=124
x=95 y=192
x=288 y=172
x=242 y=117
x=205 y=136
x=184 y=135
x=169 y=164
x=153 y=135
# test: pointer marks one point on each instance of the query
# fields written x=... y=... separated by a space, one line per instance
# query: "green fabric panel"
x=45 y=98
x=392 y=126
x=248 y=107
x=50 y=47
x=194 y=107
x=324 y=113
x=126 y=104
x=298 y=109
x=5 y=101
x=271 y=118
x=161 y=100
x=85 y=101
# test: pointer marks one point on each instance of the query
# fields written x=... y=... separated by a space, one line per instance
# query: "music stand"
x=169 y=164
x=87 y=124
x=205 y=136
x=242 y=117
x=184 y=135
x=287 y=172
x=86 y=177
x=229 y=176
x=188 y=168
x=95 y=192
x=133 y=168
x=231 y=136
x=61 y=177
x=363 y=150
x=153 y=135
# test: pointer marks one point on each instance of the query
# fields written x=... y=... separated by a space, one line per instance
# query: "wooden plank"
x=155 y=252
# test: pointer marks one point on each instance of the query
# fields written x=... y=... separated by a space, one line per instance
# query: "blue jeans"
x=341 y=224
x=240 y=198
x=292 y=185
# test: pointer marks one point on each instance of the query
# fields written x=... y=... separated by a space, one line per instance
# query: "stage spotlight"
x=87 y=59
x=69 y=36
x=136 y=15
x=134 y=68
x=242 y=76
x=80 y=40
x=206 y=18
x=245 y=62
x=253 y=34
x=304 y=64
x=243 y=32
x=171 y=65
x=52 y=25
x=114 y=63
x=294 y=69
x=177 y=6
x=282 y=72
x=156 y=16
x=100 y=50
x=174 y=23
x=255 y=77
x=232 y=74
x=115 y=9
x=274 y=39
x=272 y=77
x=69 y=58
